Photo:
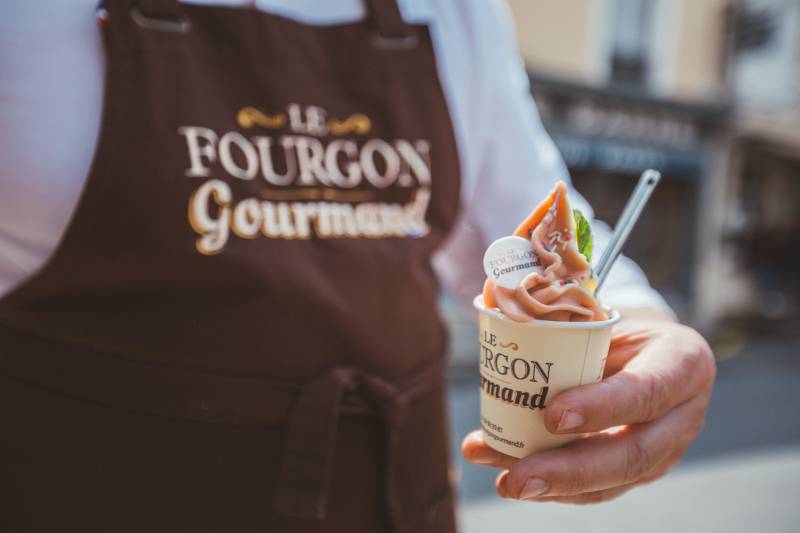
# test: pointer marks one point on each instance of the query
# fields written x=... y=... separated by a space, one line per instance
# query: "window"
x=630 y=28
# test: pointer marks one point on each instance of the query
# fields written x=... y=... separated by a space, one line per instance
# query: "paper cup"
x=523 y=366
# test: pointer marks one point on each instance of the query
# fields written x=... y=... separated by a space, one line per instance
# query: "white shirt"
x=51 y=90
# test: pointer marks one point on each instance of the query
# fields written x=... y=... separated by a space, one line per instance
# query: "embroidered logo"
x=322 y=176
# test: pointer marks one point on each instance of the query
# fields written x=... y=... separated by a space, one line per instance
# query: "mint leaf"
x=584 y=234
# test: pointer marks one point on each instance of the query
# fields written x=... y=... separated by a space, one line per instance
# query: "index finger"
x=667 y=372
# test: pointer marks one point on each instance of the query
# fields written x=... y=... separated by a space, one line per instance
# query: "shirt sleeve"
x=517 y=164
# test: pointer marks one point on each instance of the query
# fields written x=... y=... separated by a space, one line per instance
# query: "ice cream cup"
x=524 y=366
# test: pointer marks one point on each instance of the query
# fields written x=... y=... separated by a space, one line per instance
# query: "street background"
x=708 y=92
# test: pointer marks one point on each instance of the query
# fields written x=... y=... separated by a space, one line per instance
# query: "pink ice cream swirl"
x=560 y=291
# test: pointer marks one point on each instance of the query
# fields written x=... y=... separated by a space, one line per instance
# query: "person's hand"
x=648 y=409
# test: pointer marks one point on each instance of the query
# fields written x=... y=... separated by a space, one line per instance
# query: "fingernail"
x=482 y=457
x=533 y=487
x=570 y=420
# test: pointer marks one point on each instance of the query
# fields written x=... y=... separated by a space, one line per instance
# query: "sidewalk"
x=738 y=494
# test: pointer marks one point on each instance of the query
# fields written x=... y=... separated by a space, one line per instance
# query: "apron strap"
x=305 y=472
x=304 y=477
x=392 y=30
x=161 y=15
x=160 y=9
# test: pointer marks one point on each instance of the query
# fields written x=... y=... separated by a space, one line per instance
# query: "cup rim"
x=477 y=302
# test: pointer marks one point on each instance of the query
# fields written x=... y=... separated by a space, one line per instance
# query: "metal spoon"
x=627 y=220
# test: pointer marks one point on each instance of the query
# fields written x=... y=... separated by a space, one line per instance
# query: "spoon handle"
x=627 y=220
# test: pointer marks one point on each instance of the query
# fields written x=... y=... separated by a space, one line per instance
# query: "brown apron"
x=238 y=331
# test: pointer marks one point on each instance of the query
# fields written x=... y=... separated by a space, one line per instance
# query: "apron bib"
x=238 y=331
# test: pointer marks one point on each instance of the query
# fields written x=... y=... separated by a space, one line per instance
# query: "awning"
x=582 y=152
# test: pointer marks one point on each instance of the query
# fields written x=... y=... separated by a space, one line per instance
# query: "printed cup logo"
x=523 y=367
x=513 y=379
x=515 y=388
x=509 y=260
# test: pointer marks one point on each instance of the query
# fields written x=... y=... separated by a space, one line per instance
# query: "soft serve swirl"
x=563 y=290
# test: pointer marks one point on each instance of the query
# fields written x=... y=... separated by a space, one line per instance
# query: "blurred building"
x=707 y=91
x=761 y=227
